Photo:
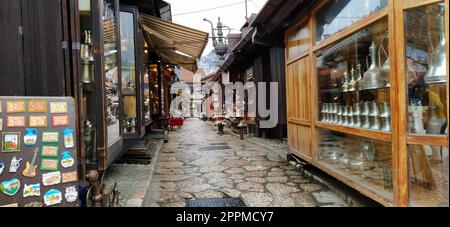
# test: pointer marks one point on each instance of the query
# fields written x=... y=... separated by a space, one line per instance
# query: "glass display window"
x=426 y=70
x=340 y=14
x=353 y=82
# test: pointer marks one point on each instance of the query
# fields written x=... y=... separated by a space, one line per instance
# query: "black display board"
x=38 y=132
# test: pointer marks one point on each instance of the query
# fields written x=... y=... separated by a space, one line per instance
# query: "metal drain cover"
x=228 y=202
x=215 y=148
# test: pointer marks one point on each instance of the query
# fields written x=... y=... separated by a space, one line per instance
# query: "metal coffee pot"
x=372 y=78
x=437 y=72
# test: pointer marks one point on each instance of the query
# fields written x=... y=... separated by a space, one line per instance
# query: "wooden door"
x=11 y=61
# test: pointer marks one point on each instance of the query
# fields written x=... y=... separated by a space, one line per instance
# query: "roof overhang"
x=174 y=43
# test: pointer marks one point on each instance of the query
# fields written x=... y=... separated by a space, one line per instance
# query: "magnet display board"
x=38 y=152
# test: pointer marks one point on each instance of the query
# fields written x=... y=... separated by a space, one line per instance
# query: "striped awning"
x=175 y=44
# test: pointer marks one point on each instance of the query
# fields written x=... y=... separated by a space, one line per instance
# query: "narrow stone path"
x=197 y=163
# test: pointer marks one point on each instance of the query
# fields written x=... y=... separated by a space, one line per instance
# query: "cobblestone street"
x=197 y=163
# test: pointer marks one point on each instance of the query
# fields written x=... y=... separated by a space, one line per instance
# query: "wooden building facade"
x=367 y=96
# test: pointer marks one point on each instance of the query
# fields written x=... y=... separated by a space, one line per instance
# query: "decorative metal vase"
x=372 y=78
x=357 y=110
x=366 y=123
x=345 y=83
x=359 y=79
x=366 y=109
x=386 y=112
x=386 y=124
x=352 y=82
x=350 y=121
x=437 y=72
x=376 y=124
x=357 y=121
x=435 y=123
x=375 y=112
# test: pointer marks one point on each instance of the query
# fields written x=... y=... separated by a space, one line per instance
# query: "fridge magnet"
x=15 y=107
x=52 y=197
x=49 y=164
x=11 y=142
x=16 y=122
x=11 y=205
x=58 y=107
x=60 y=120
x=50 y=137
x=49 y=179
x=30 y=137
x=67 y=161
x=30 y=168
x=31 y=190
x=10 y=187
x=15 y=164
x=70 y=177
x=37 y=106
x=38 y=122
x=50 y=152
x=2 y=167
x=34 y=204
x=71 y=194
x=69 y=141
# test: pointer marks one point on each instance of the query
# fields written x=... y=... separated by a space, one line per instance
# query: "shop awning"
x=175 y=44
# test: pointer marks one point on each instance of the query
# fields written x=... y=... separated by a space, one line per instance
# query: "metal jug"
x=357 y=121
x=350 y=121
x=359 y=83
x=437 y=72
x=345 y=83
x=357 y=110
x=385 y=68
x=372 y=78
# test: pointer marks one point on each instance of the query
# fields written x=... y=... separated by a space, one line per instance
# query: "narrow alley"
x=198 y=163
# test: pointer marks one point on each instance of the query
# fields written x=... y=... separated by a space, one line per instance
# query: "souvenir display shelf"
x=378 y=118
x=38 y=158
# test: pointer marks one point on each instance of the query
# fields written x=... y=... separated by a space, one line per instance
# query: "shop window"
x=340 y=14
x=426 y=70
x=298 y=42
x=128 y=68
x=367 y=162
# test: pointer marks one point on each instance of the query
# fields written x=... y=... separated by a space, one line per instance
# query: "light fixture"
x=219 y=42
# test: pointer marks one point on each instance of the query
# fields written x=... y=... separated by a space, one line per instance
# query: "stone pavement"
x=197 y=163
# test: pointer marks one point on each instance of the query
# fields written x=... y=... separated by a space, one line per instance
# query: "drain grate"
x=228 y=202
x=218 y=144
x=215 y=148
